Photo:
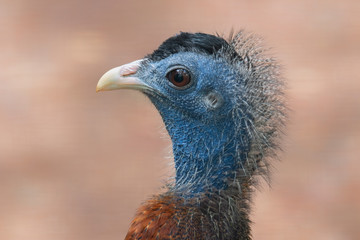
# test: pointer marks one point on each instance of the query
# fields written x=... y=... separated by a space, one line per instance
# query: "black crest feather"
x=190 y=42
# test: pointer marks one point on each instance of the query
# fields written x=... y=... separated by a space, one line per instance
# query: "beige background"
x=75 y=164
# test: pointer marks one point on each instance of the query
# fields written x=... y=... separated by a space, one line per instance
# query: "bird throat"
x=207 y=158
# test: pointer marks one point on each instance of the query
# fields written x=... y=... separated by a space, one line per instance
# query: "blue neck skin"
x=206 y=155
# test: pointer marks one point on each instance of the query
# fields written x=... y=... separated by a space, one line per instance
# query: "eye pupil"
x=180 y=78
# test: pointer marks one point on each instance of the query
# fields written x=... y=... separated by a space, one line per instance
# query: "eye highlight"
x=179 y=77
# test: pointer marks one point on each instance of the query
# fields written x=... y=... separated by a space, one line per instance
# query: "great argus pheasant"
x=222 y=104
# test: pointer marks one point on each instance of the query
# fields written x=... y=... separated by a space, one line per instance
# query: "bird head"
x=204 y=91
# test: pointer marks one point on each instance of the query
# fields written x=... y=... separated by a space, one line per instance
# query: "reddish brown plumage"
x=154 y=220
x=173 y=217
x=168 y=217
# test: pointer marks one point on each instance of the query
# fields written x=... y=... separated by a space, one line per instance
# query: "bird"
x=223 y=104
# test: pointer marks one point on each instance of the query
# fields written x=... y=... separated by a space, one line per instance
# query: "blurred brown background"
x=75 y=164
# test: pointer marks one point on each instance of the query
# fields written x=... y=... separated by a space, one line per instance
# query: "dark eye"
x=179 y=77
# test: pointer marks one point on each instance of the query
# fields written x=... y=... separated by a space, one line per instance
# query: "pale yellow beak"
x=122 y=78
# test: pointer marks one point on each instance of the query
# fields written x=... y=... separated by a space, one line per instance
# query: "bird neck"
x=207 y=157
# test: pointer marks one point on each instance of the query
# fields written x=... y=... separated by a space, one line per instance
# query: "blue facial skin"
x=209 y=143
